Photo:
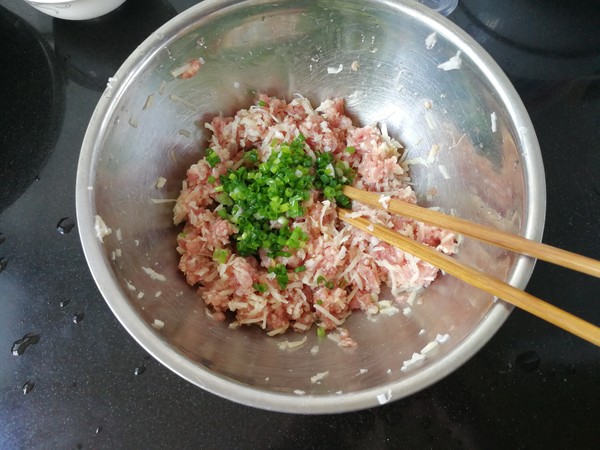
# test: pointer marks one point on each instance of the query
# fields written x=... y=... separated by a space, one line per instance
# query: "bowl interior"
x=374 y=54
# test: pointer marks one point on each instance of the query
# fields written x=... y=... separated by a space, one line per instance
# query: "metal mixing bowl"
x=146 y=126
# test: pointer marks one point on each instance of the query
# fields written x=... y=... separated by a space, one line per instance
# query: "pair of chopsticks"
x=475 y=277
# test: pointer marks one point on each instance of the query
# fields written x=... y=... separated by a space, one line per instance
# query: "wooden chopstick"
x=479 y=279
x=483 y=233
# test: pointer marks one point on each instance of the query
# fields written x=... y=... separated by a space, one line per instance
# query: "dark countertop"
x=531 y=386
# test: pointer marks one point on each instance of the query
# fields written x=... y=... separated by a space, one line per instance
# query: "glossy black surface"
x=87 y=384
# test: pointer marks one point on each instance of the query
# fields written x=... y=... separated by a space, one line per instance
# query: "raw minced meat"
x=343 y=268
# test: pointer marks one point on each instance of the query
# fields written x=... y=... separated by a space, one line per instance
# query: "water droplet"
x=528 y=361
x=139 y=370
x=3 y=263
x=2 y=238
x=19 y=347
x=65 y=225
x=37 y=178
x=98 y=430
x=28 y=387
x=64 y=302
x=78 y=317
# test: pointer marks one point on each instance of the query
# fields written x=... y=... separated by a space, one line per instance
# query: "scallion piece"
x=220 y=255
x=211 y=157
x=260 y=287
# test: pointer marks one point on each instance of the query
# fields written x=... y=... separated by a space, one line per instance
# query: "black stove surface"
x=81 y=381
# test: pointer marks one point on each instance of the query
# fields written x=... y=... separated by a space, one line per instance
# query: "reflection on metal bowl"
x=27 y=135
x=491 y=174
x=111 y=37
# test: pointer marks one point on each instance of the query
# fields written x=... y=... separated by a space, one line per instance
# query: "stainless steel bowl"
x=145 y=127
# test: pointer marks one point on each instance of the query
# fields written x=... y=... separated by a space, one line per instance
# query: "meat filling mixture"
x=261 y=236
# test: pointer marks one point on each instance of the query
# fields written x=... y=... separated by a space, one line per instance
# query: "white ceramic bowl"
x=75 y=9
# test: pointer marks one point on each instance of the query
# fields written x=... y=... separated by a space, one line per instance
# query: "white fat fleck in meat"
x=454 y=63
x=385 y=201
x=160 y=182
x=287 y=345
x=444 y=172
x=335 y=70
x=430 y=40
x=433 y=153
x=158 y=324
x=101 y=229
x=384 y=397
x=153 y=274
x=415 y=360
x=429 y=348
x=442 y=338
x=386 y=307
x=319 y=377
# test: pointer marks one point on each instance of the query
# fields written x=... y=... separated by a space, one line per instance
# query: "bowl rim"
x=287 y=402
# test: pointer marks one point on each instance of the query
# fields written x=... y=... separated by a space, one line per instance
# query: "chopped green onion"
x=211 y=157
x=224 y=199
x=330 y=285
x=281 y=275
x=211 y=179
x=350 y=150
x=220 y=255
x=251 y=156
x=320 y=279
x=300 y=269
x=321 y=332
x=319 y=302
x=260 y=198
x=260 y=287
x=262 y=103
